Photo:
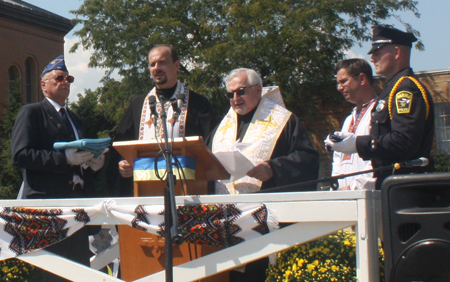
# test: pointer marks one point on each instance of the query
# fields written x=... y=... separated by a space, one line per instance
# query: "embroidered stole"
x=366 y=108
x=262 y=134
x=147 y=129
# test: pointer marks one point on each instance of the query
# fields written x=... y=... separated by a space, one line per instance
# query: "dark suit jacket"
x=37 y=127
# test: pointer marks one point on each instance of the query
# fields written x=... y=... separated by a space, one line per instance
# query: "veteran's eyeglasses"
x=61 y=78
x=240 y=92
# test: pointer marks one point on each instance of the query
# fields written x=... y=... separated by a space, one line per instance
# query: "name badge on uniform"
x=380 y=106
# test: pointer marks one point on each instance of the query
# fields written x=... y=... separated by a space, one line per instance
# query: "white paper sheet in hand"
x=236 y=164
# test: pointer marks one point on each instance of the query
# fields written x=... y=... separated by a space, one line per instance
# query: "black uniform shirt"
x=405 y=133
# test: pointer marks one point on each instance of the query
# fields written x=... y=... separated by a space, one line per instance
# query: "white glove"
x=76 y=158
x=97 y=163
x=346 y=146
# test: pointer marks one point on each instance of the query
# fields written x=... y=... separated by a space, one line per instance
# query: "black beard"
x=163 y=80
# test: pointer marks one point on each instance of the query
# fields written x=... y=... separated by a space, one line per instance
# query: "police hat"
x=56 y=64
x=382 y=35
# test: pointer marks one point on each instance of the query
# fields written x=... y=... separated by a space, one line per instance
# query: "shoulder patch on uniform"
x=403 y=101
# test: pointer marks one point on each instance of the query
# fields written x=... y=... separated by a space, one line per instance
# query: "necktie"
x=65 y=118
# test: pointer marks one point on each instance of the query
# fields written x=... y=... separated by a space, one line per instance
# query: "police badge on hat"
x=380 y=106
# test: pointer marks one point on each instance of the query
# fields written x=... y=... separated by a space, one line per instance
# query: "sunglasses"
x=60 y=78
x=240 y=92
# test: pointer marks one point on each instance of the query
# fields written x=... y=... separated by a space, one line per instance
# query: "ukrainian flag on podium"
x=144 y=168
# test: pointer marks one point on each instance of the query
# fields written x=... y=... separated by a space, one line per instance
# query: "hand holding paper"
x=236 y=164
x=261 y=171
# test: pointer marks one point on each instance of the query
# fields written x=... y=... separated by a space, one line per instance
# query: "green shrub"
x=330 y=258
x=441 y=162
x=19 y=271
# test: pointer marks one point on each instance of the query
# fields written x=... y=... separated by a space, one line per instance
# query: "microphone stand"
x=329 y=179
x=173 y=232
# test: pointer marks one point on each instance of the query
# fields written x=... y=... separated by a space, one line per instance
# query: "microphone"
x=180 y=102
x=420 y=162
x=175 y=108
x=154 y=114
x=177 y=105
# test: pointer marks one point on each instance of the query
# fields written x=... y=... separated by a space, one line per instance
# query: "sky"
x=433 y=26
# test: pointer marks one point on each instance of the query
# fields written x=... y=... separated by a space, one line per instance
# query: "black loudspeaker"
x=416 y=227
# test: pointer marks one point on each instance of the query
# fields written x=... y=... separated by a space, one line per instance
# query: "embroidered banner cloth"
x=24 y=230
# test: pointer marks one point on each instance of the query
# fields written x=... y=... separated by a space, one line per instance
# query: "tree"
x=293 y=44
x=95 y=124
x=10 y=175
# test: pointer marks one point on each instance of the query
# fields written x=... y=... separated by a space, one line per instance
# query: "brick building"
x=30 y=37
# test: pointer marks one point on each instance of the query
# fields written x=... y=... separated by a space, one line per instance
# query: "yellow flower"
x=316 y=262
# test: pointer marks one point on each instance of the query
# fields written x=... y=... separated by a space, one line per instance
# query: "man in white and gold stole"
x=196 y=116
x=279 y=146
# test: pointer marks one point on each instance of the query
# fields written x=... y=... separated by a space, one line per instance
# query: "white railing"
x=315 y=214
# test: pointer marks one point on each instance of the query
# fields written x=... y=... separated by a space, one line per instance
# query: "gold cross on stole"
x=266 y=124
x=224 y=128
x=227 y=125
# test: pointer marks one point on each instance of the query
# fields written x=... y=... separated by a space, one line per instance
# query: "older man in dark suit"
x=48 y=173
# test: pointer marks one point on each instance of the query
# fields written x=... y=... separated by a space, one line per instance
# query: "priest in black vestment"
x=196 y=116
x=276 y=143
x=280 y=147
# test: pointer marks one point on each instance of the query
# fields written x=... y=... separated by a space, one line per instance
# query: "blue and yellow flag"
x=144 y=168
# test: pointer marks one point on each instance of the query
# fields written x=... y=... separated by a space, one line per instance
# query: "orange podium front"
x=141 y=253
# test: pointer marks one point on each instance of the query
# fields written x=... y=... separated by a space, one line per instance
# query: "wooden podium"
x=141 y=253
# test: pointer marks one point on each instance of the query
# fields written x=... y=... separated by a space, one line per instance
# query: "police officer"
x=402 y=126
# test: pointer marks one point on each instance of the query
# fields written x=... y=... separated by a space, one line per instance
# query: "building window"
x=442 y=122
x=14 y=80
x=31 y=81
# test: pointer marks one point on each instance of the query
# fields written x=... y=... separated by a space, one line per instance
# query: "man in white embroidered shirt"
x=354 y=80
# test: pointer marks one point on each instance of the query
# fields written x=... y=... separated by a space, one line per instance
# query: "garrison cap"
x=382 y=35
x=56 y=64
